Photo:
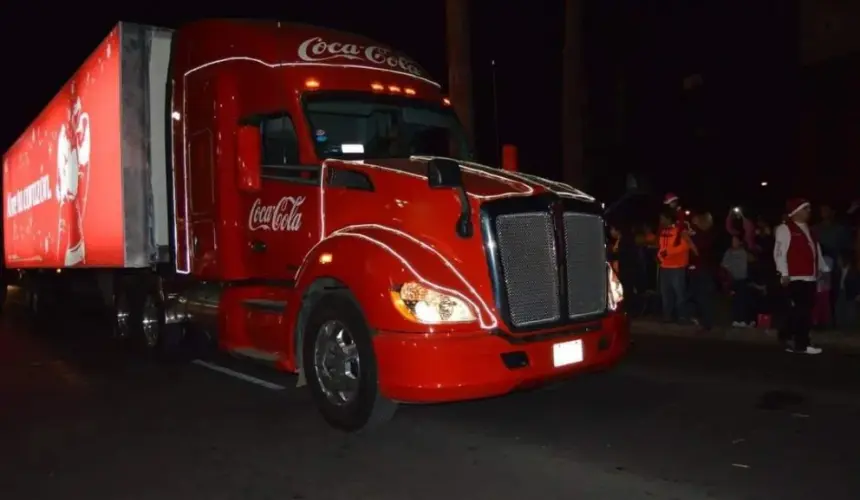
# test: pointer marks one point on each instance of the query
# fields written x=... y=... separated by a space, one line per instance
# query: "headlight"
x=614 y=292
x=421 y=304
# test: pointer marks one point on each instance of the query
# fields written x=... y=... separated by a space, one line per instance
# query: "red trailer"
x=306 y=197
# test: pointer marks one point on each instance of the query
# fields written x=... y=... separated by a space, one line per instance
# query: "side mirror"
x=447 y=174
x=444 y=174
x=509 y=158
x=248 y=159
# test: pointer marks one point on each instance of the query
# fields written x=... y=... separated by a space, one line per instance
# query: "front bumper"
x=436 y=368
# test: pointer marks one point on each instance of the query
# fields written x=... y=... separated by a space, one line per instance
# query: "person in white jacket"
x=799 y=262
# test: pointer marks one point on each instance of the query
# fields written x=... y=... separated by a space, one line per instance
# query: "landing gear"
x=340 y=365
x=41 y=304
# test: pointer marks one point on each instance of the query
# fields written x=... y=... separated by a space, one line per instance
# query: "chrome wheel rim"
x=150 y=324
x=336 y=363
x=122 y=316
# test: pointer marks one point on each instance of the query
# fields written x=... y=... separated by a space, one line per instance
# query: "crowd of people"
x=797 y=275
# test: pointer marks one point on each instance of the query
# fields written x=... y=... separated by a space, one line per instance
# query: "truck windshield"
x=363 y=125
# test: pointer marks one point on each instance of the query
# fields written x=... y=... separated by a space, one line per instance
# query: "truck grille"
x=585 y=250
x=547 y=270
x=527 y=252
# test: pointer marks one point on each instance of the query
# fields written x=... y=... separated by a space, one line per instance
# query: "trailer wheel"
x=157 y=336
x=127 y=313
x=340 y=365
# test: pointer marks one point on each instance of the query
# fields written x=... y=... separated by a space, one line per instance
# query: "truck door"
x=202 y=207
x=284 y=217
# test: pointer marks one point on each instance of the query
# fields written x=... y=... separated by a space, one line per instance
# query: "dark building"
x=829 y=128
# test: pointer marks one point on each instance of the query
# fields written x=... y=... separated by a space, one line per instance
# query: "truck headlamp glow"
x=614 y=290
x=423 y=305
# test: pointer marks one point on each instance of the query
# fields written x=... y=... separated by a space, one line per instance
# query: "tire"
x=127 y=309
x=161 y=340
x=364 y=407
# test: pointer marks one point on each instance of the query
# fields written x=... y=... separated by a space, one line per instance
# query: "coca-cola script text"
x=317 y=50
x=282 y=216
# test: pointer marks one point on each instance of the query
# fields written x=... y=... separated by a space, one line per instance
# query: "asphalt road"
x=81 y=417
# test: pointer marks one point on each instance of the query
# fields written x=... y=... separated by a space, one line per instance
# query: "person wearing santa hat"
x=799 y=262
x=672 y=201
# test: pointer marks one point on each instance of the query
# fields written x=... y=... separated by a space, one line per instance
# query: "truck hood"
x=421 y=224
x=484 y=182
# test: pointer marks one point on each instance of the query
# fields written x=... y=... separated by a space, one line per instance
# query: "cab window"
x=280 y=150
x=279 y=141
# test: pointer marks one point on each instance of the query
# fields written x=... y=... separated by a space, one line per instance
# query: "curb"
x=747 y=335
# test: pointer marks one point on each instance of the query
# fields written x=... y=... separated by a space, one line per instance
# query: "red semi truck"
x=305 y=197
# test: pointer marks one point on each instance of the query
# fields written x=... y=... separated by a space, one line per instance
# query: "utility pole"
x=573 y=98
x=459 y=62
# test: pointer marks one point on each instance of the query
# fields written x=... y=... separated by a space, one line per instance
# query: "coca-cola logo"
x=317 y=50
x=282 y=216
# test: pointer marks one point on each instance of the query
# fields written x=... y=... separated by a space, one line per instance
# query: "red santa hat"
x=795 y=205
x=670 y=197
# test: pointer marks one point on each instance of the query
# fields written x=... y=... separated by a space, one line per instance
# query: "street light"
x=763 y=183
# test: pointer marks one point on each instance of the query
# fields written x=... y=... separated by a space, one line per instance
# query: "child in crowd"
x=848 y=297
x=736 y=263
x=821 y=312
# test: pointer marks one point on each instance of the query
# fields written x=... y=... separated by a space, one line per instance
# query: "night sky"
x=714 y=144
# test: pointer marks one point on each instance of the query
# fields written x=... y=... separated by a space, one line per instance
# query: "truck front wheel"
x=340 y=365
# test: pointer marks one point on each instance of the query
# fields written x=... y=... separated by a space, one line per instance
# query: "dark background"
x=757 y=113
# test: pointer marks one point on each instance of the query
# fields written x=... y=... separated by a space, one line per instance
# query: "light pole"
x=496 y=112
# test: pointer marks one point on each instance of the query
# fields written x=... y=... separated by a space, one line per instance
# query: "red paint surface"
x=442 y=368
x=49 y=222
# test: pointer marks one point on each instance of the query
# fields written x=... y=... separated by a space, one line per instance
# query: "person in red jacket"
x=799 y=262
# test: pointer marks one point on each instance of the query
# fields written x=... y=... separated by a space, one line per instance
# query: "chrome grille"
x=585 y=253
x=527 y=254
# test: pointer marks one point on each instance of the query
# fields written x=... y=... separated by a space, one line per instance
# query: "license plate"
x=567 y=353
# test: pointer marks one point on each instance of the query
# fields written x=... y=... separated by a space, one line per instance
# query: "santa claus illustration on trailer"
x=73 y=163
